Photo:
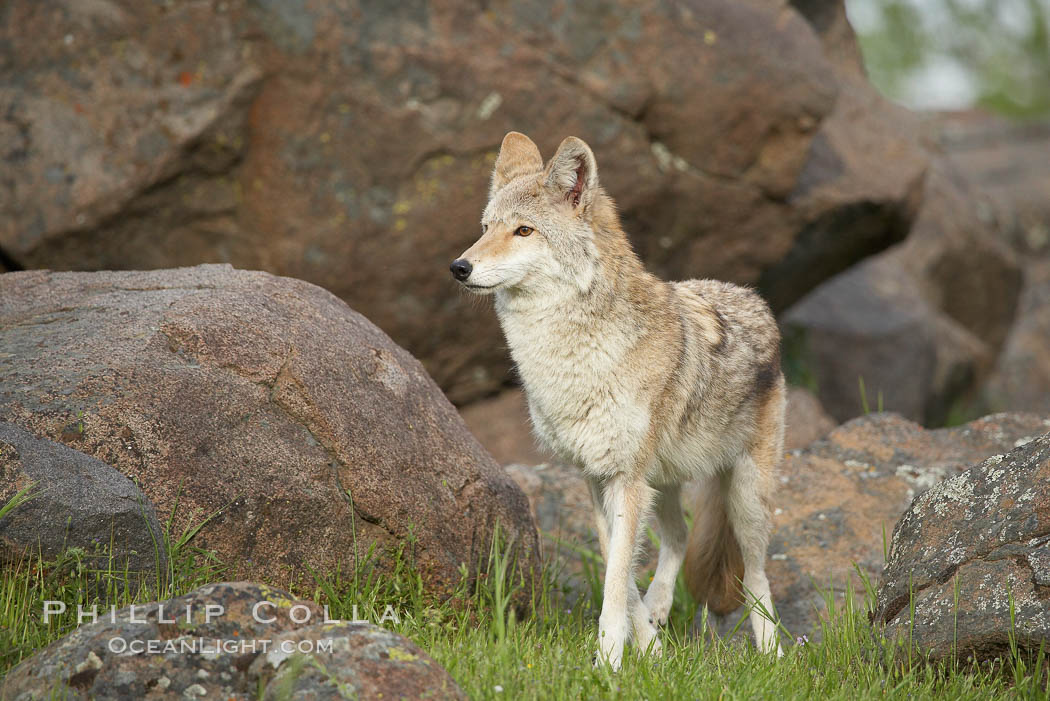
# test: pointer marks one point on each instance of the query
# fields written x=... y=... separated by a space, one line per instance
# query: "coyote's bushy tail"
x=714 y=566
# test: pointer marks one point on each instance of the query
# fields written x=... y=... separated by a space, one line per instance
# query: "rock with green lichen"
x=228 y=641
x=360 y=661
x=969 y=562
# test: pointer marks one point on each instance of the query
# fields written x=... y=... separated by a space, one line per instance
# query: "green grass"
x=549 y=655
x=87 y=578
x=493 y=653
x=864 y=406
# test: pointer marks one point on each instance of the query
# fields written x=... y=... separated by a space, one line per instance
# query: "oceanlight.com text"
x=216 y=646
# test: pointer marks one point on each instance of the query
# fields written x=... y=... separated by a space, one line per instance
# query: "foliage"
x=998 y=49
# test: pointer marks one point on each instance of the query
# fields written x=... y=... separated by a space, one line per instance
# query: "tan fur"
x=713 y=566
x=642 y=383
x=518 y=156
x=493 y=243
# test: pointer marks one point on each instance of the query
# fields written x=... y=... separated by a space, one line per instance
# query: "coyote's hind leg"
x=748 y=498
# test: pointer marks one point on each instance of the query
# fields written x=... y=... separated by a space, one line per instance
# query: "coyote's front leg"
x=673 y=534
x=641 y=619
x=626 y=501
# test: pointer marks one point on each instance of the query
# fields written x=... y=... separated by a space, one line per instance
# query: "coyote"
x=641 y=383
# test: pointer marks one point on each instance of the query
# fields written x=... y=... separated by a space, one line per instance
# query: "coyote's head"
x=538 y=230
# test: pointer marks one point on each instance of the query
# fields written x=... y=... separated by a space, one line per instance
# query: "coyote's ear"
x=573 y=171
x=517 y=156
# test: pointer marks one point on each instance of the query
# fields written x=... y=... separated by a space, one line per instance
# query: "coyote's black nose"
x=461 y=268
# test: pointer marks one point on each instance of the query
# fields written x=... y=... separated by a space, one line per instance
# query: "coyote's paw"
x=771 y=646
x=610 y=657
x=611 y=639
x=648 y=642
x=646 y=635
x=658 y=600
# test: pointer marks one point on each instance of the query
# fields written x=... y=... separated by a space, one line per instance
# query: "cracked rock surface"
x=249 y=639
x=970 y=549
x=264 y=405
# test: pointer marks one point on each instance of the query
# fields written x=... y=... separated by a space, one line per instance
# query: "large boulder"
x=235 y=641
x=313 y=139
x=1010 y=161
x=969 y=567
x=75 y=501
x=920 y=324
x=293 y=429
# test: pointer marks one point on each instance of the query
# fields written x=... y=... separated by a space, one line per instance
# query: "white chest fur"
x=583 y=406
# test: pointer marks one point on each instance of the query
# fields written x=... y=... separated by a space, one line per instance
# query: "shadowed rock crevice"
x=819 y=13
x=920 y=323
x=7 y=263
x=831 y=244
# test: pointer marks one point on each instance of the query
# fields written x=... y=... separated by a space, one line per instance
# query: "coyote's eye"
x=523 y=231
x=484 y=228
